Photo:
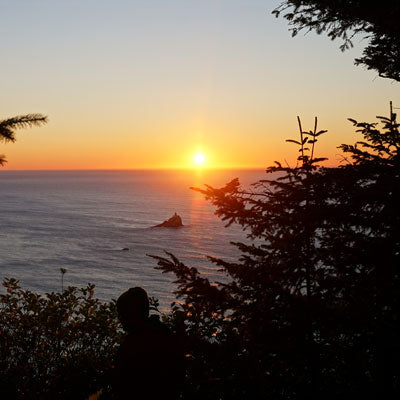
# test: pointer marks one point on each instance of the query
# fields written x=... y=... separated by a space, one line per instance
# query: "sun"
x=199 y=159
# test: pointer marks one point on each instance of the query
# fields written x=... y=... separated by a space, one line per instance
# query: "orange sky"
x=148 y=84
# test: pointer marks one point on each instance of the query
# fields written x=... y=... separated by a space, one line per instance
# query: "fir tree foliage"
x=378 y=22
x=310 y=309
x=9 y=125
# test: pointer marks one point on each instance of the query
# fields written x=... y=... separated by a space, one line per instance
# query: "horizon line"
x=135 y=169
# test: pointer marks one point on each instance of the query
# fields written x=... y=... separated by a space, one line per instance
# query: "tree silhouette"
x=310 y=308
x=8 y=127
x=343 y=19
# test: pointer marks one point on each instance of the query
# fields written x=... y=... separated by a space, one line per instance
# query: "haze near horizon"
x=148 y=84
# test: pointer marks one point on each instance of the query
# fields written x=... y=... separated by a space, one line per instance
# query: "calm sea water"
x=81 y=221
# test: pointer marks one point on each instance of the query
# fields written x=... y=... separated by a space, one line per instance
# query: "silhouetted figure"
x=149 y=363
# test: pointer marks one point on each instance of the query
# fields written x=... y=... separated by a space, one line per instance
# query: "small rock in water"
x=174 y=222
x=125 y=248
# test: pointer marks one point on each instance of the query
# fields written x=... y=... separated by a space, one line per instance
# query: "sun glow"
x=199 y=159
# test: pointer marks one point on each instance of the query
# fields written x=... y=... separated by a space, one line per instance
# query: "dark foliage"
x=56 y=346
x=377 y=21
x=311 y=308
x=8 y=126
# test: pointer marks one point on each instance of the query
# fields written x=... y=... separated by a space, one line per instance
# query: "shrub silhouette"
x=57 y=345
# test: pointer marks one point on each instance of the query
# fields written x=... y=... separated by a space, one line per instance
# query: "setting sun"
x=199 y=159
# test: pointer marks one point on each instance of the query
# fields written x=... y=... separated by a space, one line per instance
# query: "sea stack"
x=174 y=222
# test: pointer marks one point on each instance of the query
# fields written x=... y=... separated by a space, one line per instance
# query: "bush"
x=55 y=346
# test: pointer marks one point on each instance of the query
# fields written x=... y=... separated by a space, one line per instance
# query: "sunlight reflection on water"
x=81 y=221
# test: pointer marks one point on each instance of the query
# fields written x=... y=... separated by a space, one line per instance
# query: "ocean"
x=82 y=221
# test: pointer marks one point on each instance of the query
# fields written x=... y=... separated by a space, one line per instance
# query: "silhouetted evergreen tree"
x=8 y=126
x=310 y=309
x=377 y=21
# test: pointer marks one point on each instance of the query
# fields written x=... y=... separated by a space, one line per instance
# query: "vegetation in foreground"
x=311 y=307
x=309 y=310
x=55 y=346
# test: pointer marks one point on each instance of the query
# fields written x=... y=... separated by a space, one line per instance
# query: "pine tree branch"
x=7 y=126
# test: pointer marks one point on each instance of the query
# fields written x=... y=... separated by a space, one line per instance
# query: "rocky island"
x=174 y=222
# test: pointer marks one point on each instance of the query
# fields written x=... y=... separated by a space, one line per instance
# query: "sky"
x=150 y=83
